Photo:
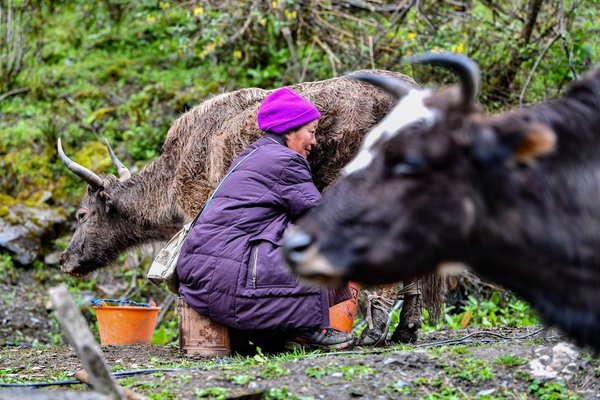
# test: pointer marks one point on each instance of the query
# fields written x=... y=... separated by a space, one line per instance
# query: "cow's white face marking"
x=410 y=109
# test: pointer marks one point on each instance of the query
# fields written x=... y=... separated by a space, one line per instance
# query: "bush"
x=13 y=46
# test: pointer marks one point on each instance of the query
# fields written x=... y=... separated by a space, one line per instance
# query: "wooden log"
x=81 y=338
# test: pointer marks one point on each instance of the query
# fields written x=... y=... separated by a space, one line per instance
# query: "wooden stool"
x=200 y=335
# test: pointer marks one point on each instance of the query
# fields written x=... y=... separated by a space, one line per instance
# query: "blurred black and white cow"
x=516 y=196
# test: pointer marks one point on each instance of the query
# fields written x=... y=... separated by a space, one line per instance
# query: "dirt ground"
x=485 y=366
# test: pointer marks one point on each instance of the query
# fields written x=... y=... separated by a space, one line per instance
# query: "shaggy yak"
x=120 y=213
x=515 y=196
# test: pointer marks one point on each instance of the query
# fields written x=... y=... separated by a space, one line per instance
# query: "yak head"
x=101 y=232
x=411 y=199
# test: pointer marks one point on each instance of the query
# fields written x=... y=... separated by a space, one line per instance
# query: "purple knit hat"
x=284 y=110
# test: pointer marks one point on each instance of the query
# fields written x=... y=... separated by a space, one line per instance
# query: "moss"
x=7 y=201
x=101 y=113
x=94 y=156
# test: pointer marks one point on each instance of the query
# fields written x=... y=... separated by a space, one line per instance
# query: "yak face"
x=101 y=227
x=398 y=208
x=410 y=199
x=99 y=230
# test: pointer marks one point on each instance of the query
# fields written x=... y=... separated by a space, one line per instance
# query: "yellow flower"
x=198 y=11
x=411 y=35
x=237 y=54
x=274 y=4
x=459 y=48
x=163 y=5
x=151 y=19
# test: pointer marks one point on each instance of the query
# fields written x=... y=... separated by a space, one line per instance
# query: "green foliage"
x=550 y=390
x=216 y=393
x=13 y=44
x=242 y=379
x=167 y=332
x=471 y=370
x=282 y=393
x=498 y=310
x=273 y=370
x=510 y=360
x=395 y=388
x=8 y=273
x=347 y=372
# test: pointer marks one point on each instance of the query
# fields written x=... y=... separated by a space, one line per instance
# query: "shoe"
x=320 y=338
x=378 y=319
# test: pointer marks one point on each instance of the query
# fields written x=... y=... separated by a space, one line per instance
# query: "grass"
x=346 y=372
x=510 y=360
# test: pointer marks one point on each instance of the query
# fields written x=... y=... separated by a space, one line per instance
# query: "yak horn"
x=391 y=85
x=466 y=69
x=124 y=173
x=91 y=178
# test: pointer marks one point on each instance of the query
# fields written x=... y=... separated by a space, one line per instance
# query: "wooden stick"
x=81 y=338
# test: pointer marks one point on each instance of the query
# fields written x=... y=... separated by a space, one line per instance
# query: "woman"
x=230 y=267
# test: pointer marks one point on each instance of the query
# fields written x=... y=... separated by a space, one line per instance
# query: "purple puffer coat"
x=230 y=267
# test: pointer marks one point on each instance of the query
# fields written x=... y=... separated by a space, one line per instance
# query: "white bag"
x=164 y=265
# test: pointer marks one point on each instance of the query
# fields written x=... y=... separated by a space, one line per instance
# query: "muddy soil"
x=485 y=366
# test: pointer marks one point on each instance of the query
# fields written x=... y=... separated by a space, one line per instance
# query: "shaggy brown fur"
x=200 y=145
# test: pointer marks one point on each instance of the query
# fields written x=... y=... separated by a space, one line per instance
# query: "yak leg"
x=410 y=316
x=379 y=304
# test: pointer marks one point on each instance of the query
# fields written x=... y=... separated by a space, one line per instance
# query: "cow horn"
x=466 y=69
x=124 y=173
x=391 y=85
x=91 y=178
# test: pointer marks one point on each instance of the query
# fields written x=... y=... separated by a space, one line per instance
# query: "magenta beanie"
x=284 y=110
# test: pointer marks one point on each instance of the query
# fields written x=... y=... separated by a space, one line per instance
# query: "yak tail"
x=433 y=292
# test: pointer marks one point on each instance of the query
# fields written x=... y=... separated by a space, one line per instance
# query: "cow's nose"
x=295 y=246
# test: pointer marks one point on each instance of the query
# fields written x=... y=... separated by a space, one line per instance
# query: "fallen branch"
x=13 y=92
x=363 y=5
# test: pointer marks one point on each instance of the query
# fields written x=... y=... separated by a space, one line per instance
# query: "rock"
x=23 y=229
x=560 y=363
x=52 y=258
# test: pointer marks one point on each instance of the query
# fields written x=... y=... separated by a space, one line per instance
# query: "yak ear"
x=108 y=202
x=523 y=145
x=538 y=140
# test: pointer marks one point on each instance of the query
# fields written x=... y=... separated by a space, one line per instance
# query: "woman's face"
x=303 y=139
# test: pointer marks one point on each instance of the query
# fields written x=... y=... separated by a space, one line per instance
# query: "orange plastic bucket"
x=120 y=325
x=341 y=315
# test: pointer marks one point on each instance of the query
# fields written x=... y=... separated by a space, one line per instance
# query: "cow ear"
x=538 y=140
x=107 y=200
x=523 y=145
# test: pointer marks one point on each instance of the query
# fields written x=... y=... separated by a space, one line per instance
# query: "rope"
x=413 y=288
x=98 y=302
x=478 y=333
x=464 y=339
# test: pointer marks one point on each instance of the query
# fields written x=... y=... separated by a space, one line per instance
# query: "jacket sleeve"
x=297 y=190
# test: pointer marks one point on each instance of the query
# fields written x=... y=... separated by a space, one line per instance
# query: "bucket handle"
x=102 y=303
